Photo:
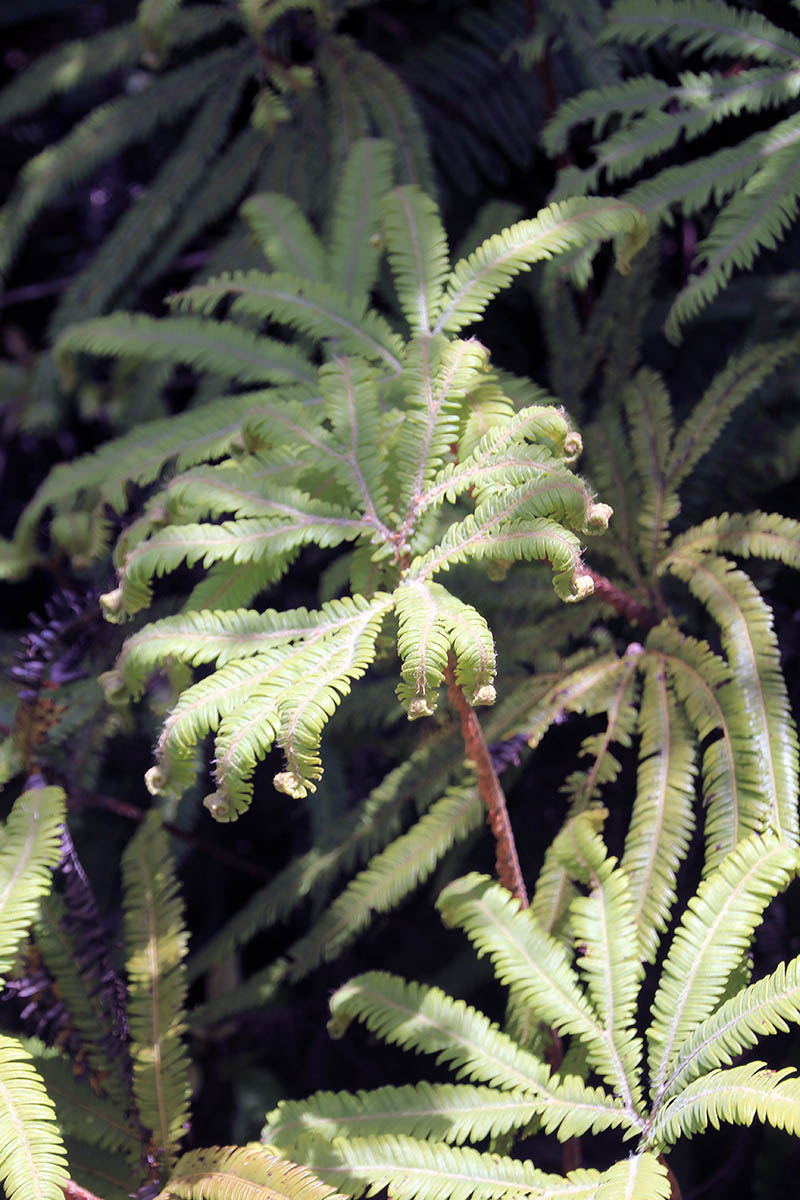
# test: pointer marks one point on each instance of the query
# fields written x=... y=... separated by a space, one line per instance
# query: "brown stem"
x=508 y=868
x=74 y=1191
x=609 y=593
x=675 y=1193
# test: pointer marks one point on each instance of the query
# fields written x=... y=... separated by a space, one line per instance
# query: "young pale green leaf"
x=225 y=1172
x=33 y=1164
x=31 y=848
x=417 y=246
x=474 y=281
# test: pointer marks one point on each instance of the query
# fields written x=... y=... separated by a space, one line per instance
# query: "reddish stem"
x=508 y=868
x=609 y=593
x=74 y=1191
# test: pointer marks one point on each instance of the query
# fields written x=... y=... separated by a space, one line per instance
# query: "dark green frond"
x=701 y=25
x=155 y=946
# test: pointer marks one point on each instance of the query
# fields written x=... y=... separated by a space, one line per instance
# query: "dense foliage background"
x=484 y=80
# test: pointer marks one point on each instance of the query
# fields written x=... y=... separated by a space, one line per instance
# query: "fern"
x=755 y=181
x=393 y=1135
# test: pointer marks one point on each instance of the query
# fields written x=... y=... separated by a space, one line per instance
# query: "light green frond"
x=649 y=414
x=220 y=348
x=442 y=1112
x=242 y=1173
x=729 y=389
x=438 y=377
x=662 y=822
x=315 y=308
x=285 y=235
x=268 y=542
x=762 y=1008
x=640 y=1177
x=31 y=847
x=600 y=105
x=426 y=1020
x=96 y=1120
x=422 y=644
x=296 y=695
x=701 y=26
x=155 y=946
x=350 y=390
x=32 y=1160
x=138 y=457
x=619 y=703
x=355 y=219
x=495 y=530
x=416 y=244
x=755 y=534
x=389 y=877
x=473 y=647
x=730 y=776
x=736 y=1096
x=534 y=965
x=256 y=487
x=419 y=1170
x=474 y=281
x=715 y=930
x=221 y=637
x=756 y=218
x=749 y=641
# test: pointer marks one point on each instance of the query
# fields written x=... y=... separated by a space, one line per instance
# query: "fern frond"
x=418 y=1170
x=537 y=968
x=32 y=1160
x=423 y=645
x=97 y=1170
x=391 y=110
x=349 y=388
x=155 y=946
x=95 y=1119
x=285 y=235
x=649 y=414
x=729 y=388
x=417 y=248
x=747 y=535
x=218 y=347
x=749 y=641
x=389 y=877
x=119 y=258
x=31 y=848
x=443 y=1112
x=738 y=1096
x=315 y=308
x=715 y=931
x=69 y=67
x=267 y=542
x=474 y=281
x=354 y=224
x=756 y=218
x=662 y=821
x=640 y=1175
x=101 y=135
x=730 y=780
x=242 y=1173
x=704 y=27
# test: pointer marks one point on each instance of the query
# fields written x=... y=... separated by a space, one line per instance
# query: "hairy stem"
x=609 y=593
x=508 y=868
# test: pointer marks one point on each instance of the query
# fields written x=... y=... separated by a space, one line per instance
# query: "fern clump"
x=656 y=1088
x=752 y=181
x=403 y=446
